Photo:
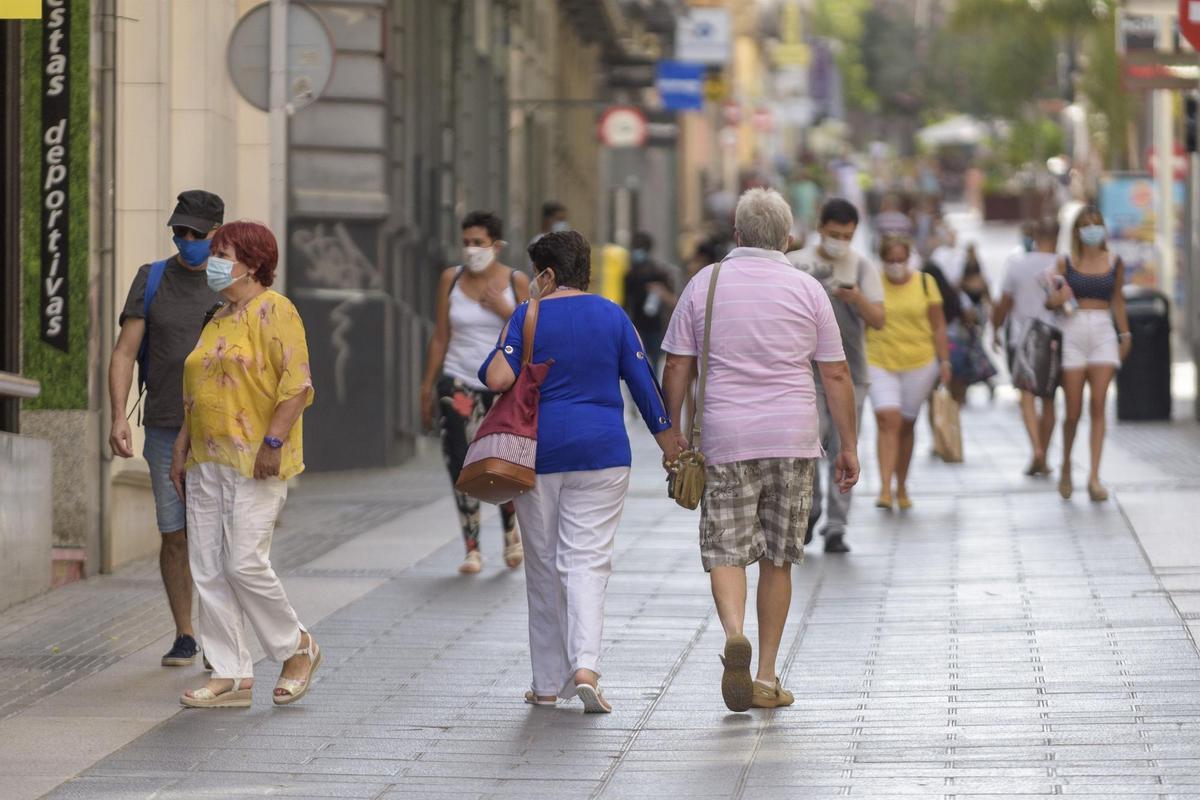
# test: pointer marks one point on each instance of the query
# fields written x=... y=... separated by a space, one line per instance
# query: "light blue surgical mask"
x=193 y=251
x=1092 y=235
x=560 y=226
x=220 y=273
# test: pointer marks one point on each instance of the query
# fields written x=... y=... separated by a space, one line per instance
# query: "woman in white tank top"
x=474 y=302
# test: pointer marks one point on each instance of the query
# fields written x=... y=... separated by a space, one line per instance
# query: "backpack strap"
x=457 y=274
x=512 y=281
x=153 y=281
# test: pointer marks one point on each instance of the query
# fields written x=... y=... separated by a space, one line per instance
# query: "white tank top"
x=474 y=331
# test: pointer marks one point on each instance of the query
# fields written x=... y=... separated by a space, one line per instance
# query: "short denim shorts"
x=160 y=442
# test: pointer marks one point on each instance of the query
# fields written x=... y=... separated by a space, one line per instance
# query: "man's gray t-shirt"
x=851 y=268
x=176 y=317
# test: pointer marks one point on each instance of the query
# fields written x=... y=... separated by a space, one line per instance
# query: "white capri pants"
x=906 y=390
x=1090 y=339
x=568 y=521
x=230 y=521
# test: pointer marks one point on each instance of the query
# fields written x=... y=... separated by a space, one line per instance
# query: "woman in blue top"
x=583 y=459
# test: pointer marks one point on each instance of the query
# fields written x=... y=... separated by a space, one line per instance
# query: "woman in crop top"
x=473 y=302
x=1089 y=282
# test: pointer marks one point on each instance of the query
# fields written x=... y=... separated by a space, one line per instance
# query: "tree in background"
x=841 y=21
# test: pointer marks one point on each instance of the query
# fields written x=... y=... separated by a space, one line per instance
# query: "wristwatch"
x=272 y=442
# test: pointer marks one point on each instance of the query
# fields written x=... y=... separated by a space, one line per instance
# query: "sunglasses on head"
x=182 y=232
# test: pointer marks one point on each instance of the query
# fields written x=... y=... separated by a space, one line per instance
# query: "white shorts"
x=1090 y=339
x=906 y=390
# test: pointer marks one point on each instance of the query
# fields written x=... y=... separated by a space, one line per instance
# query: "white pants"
x=567 y=523
x=230 y=520
x=906 y=390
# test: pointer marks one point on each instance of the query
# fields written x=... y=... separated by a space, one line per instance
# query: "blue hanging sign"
x=680 y=85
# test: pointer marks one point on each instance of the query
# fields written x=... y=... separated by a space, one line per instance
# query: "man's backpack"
x=153 y=281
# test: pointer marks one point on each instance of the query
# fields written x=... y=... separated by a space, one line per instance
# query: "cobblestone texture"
x=993 y=642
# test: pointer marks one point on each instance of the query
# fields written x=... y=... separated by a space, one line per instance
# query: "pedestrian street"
x=994 y=641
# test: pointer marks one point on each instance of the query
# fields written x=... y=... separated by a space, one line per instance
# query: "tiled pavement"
x=62 y=637
x=994 y=642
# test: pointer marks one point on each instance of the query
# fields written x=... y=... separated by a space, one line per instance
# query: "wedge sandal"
x=233 y=697
x=298 y=688
x=593 y=699
x=737 y=685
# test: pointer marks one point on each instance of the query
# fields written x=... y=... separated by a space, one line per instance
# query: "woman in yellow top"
x=906 y=358
x=245 y=386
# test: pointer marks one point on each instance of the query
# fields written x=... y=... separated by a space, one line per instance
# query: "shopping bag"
x=1037 y=360
x=947 y=428
x=968 y=358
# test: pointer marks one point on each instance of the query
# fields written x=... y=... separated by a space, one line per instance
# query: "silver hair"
x=763 y=219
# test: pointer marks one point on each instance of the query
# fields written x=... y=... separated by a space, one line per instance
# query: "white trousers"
x=230 y=521
x=567 y=523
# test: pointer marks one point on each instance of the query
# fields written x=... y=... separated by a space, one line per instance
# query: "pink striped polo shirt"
x=770 y=322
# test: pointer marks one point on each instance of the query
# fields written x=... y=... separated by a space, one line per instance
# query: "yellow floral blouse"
x=243 y=367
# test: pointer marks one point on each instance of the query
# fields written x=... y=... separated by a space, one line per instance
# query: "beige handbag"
x=685 y=484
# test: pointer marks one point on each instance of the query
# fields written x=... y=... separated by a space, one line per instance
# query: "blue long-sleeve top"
x=581 y=417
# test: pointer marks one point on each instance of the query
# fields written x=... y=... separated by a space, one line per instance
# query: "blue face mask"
x=220 y=273
x=1092 y=235
x=194 y=252
x=638 y=256
x=1028 y=244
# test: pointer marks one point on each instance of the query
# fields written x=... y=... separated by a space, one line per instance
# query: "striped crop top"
x=1092 y=287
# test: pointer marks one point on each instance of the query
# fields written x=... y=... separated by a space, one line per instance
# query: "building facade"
x=434 y=109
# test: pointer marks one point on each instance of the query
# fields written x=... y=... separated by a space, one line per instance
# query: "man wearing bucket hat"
x=160 y=324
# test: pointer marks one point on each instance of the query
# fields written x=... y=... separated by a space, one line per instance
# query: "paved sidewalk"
x=993 y=642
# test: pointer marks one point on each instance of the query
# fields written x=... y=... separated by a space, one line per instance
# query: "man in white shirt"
x=856 y=292
x=948 y=258
x=1022 y=300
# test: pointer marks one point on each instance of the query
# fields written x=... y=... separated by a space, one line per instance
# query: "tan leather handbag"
x=685 y=484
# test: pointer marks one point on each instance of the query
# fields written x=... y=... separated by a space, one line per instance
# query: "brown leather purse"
x=685 y=484
x=500 y=462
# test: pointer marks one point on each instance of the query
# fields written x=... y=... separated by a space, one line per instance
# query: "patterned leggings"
x=461 y=410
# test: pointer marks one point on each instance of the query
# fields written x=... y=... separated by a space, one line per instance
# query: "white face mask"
x=834 y=248
x=477 y=259
x=896 y=272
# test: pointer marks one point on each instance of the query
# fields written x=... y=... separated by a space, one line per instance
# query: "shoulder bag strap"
x=708 y=317
x=527 y=333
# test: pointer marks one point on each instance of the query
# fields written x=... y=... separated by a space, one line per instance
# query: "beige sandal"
x=514 y=551
x=298 y=688
x=533 y=700
x=204 y=697
x=593 y=699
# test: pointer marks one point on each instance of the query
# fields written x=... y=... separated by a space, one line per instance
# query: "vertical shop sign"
x=55 y=241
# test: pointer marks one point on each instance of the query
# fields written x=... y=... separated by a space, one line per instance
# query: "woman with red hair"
x=245 y=387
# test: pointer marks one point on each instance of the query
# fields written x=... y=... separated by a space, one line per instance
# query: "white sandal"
x=593 y=699
x=233 y=697
x=298 y=688
x=533 y=700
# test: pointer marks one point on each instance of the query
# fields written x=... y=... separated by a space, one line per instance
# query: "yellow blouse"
x=243 y=367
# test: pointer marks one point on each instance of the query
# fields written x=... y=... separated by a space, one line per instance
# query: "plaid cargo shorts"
x=755 y=509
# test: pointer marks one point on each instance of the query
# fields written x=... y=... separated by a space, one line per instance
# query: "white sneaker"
x=472 y=564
